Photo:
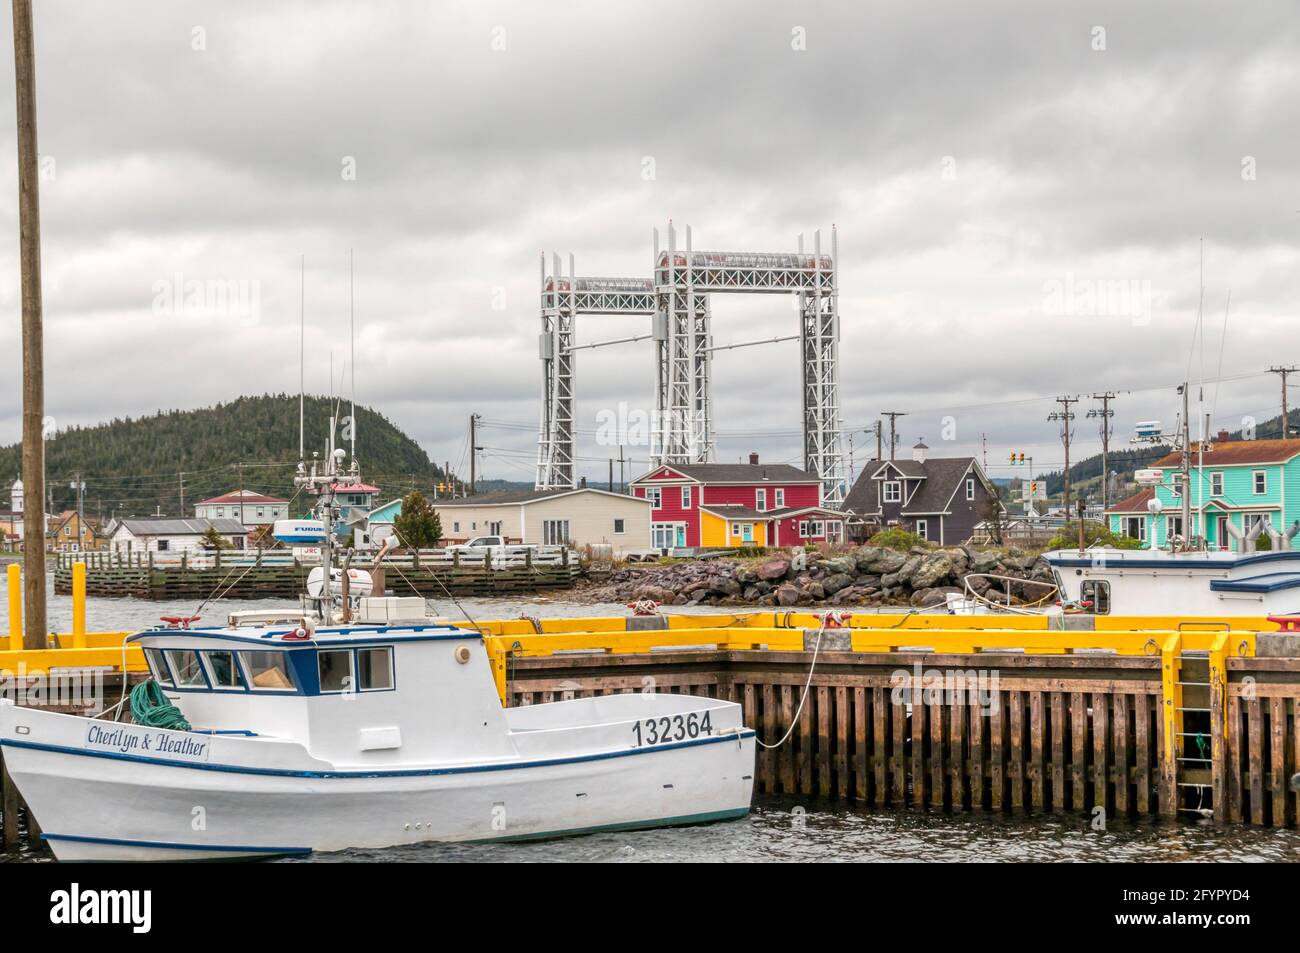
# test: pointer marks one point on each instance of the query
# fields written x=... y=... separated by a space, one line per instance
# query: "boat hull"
x=97 y=806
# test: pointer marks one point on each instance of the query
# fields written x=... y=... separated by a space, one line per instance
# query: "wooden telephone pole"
x=29 y=240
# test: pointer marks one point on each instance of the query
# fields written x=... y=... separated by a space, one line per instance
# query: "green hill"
x=135 y=466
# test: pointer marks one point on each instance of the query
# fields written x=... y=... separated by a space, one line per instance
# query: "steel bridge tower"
x=678 y=298
x=564 y=297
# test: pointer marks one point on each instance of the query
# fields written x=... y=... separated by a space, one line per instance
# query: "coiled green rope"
x=150 y=707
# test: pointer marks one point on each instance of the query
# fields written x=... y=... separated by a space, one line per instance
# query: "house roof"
x=247 y=496
x=939 y=479
x=756 y=473
x=503 y=497
x=1137 y=503
x=1233 y=452
x=166 y=526
x=354 y=488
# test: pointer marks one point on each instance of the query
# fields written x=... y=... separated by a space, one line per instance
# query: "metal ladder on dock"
x=1194 y=779
x=1187 y=678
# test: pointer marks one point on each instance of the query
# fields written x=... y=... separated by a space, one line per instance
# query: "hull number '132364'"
x=656 y=731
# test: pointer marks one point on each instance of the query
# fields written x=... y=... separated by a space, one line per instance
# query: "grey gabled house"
x=940 y=499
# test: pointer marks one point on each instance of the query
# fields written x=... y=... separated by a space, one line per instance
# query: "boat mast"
x=1185 y=438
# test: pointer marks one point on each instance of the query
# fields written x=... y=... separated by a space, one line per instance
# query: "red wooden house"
x=736 y=504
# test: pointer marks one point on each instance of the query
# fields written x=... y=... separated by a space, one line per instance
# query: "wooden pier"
x=1177 y=724
x=429 y=573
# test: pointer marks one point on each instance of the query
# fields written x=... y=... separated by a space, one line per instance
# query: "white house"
x=166 y=535
x=574 y=517
x=249 y=508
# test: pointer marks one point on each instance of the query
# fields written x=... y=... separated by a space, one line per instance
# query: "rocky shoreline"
x=866 y=575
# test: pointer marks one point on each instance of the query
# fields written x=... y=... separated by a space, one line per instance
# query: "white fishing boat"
x=1195 y=583
x=363 y=736
x=358 y=721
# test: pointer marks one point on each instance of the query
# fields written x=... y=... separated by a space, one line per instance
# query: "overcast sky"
x=1021 y=192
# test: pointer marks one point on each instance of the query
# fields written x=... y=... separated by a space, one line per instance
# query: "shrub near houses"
x=868 y=575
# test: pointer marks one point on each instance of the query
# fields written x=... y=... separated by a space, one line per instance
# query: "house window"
x=164 y=545
x=655 y=495
x=1216 y=484
x=555 y=532
x=1134 y=527
x=619 y=526
x=335 y=667
x=835 y=531
x=261 y=512
x=1250 y=519
x=686 y=497
x=1173 y=526
x=1261 y=482
x=494 y=528
x=760 y=499
x=816 y=529
x=221 y=511
x=923 y=529
x=455 y=527
x=779 y=493
x=803 y=529
x=970 y=489
x=893 y=491
x=663 y=535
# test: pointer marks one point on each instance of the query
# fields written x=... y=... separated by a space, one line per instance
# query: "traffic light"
x=1022 y=456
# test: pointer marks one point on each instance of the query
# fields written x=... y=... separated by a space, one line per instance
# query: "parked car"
x=480 y=544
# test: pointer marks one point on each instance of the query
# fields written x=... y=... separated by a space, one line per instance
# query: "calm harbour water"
x=779 y=829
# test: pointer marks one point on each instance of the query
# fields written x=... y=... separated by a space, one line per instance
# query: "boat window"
x=374 y=669
x=222 y=670
x=1096 y=591
x=335 y=670
x=186 y=668
x=267 y=670
x=157 y=666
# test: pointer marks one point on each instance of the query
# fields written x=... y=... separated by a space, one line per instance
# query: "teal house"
x=1238 y=482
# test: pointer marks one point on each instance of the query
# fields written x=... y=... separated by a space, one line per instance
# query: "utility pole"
x=879 y=430
x=474 y=448
x=240 y=468
x=79 y=485
x=29 y=241
x=622 y=479
x=1065 y=415
x=611 y=474
x=893 y=416
x=1104 y=414
x=1283 y=372
x=182 y=481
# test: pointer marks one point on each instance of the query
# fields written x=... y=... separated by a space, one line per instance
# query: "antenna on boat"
x=352 y=353
x=302 y=355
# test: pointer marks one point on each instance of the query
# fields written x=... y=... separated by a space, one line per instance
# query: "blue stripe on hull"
x=407 y=773
x=167 y=845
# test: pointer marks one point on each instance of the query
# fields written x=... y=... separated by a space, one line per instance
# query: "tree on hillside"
x=418 y=525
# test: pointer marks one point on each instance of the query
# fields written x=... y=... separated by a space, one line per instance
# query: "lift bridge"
x=677 y=301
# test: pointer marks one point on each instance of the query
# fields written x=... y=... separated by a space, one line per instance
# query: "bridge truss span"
x=678 y=300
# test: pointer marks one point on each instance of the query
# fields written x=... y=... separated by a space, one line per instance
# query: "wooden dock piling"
x=1060 y=733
